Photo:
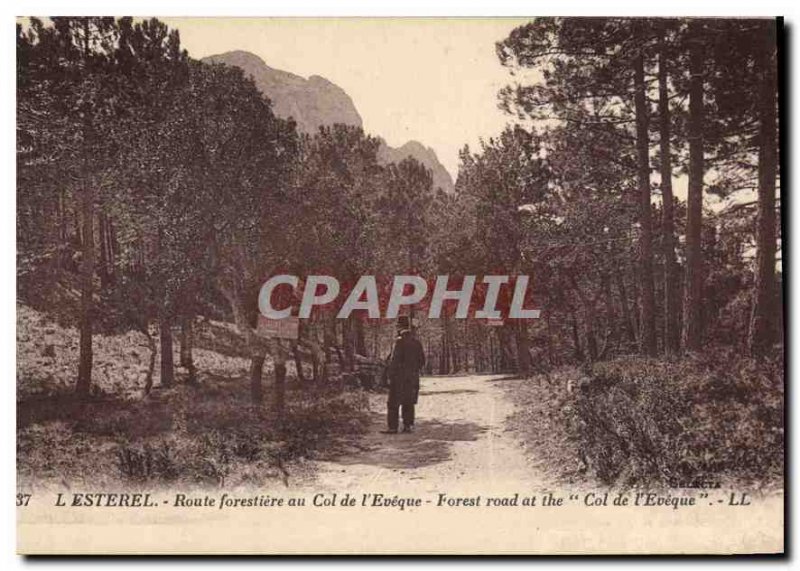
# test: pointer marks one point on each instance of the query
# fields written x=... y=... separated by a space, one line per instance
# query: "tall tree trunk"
x=151 y=345
x=549 y=339
x=502 y=352
x=348 y=340
x=328 y=336
x=360 y=336
x=315 y=368
x=693 y=291
x=62 y=225
x=110 y=254
x=102 y=241
x=114 y=249
x=278 y=404
x=635 y=314
x=523 y=348
x=187 y=345
x=444 y=359
x=84 y=383
x=630 y=326
x=469 y=335
x=256 y=370
x=167 y=364
x=298 y=358
x=764 y=316
x=492 y=353
x=648 y=320
x=612 y=328
x=671 y=286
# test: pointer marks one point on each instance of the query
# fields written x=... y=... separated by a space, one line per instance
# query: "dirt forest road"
x=461 y=442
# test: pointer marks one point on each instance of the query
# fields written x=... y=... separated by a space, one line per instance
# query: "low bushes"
x=711 y=418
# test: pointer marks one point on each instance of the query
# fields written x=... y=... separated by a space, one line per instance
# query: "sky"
x=430 y=80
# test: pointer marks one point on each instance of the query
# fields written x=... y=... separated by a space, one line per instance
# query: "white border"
x=425 y=8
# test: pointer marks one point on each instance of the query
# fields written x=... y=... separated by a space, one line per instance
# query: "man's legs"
x=408 y=415
x=392 y=415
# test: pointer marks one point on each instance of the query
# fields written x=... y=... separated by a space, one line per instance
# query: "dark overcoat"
x=407 y=361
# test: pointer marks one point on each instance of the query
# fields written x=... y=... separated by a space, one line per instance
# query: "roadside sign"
x=287 y=328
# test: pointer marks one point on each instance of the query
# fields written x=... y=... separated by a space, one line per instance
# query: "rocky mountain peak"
x=316 y=102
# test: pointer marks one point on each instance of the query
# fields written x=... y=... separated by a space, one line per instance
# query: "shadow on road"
x=429 y=444
x=450 y=392
x=505 y=378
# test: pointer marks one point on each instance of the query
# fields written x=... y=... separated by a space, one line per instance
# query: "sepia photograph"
x=400 y=286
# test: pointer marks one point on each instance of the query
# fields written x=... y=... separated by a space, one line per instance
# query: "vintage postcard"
x=399 y=286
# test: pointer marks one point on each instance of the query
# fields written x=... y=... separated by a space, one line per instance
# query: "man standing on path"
x=407 y=361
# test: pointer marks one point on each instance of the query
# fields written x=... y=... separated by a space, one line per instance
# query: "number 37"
x=23 y=499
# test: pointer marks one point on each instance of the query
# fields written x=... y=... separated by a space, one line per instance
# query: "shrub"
x=209 y=461
x=705 y=418
x=147 y=463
